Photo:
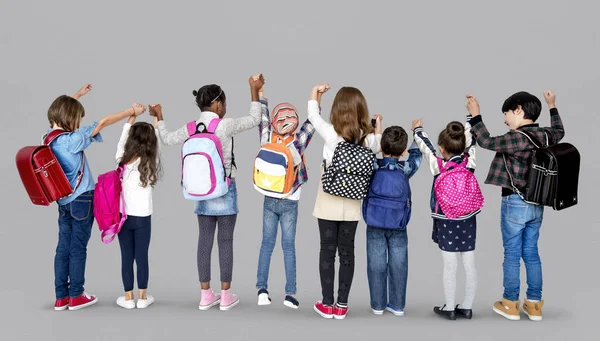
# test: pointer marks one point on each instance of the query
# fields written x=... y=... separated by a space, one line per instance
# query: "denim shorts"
x=225 y=205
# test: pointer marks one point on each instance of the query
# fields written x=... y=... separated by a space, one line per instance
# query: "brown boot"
x=533 y=309
x=508 y=309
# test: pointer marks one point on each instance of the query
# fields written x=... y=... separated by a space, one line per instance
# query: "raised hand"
x=256 y=81
x=550 y=98
x=138 y=109
x=416 y=124
x=378 y=127
x=472 y=105
x=84 y=90
x=155 y=110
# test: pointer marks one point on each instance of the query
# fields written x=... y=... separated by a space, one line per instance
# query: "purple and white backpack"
x=203 y=175
x=457 y=190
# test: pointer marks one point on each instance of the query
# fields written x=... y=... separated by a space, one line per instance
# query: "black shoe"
x=464 y=313
x=263 y=297
x=291 y=301
x=449 y=314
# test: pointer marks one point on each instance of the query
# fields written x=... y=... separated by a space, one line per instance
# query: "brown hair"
x=394 y=141
x=350 y=115
x=66 y=112
x=142 y=143
x=453 y=139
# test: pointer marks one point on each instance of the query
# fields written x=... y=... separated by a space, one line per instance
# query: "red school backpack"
x=42 y=175
x=457 y=190
x=109 y=204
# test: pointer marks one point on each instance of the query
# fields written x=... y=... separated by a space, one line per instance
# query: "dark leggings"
x=134 y=240
x=336 y=236
x=206 y=238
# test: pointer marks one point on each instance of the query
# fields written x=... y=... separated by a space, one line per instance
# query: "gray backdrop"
x=411 y=60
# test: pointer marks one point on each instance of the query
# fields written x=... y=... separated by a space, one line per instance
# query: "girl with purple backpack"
x=138 y=157
x=454 y=208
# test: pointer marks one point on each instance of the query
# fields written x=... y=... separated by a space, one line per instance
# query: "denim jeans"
x=387 y=267
x=520 y=224
x=75 y=221
x=225 y=205
x=276 y=212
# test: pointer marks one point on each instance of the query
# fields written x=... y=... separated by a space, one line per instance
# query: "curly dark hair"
x=142 y=143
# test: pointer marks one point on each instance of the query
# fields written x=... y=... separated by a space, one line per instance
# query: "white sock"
x=532 y=301
x=450 y=266
x=468 y=259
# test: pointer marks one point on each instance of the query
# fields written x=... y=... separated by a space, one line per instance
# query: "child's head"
x=66 y=113
x=520 y=109
x=350 y=114
x=143 y=144
x=211 y=98
x=452 y=140
x=394 y=141
x=284 y=119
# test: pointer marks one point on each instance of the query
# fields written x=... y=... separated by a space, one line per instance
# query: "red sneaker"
x=326 y=311
x=62 y=304
x=339 y=313
x=82 y=301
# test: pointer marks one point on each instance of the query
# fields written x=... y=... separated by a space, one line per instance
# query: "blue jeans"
x=75 y=221
x=520 y=224
x=387 y=267
x=225 y=205
x=275 y=212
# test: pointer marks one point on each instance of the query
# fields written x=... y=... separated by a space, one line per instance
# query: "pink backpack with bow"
x=109 y=204
x=457 y=190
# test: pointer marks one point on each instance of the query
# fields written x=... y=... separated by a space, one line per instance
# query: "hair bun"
x=455 y=129
x=195 y=93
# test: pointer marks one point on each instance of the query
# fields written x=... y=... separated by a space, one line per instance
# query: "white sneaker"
x=263 y=297
x=141 y=304
x=127 y=304
x=377 y=312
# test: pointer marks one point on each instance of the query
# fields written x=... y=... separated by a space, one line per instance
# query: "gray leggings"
x=206 y=238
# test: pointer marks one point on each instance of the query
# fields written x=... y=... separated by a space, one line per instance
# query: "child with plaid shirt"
x=284 y=211
x=520 y=221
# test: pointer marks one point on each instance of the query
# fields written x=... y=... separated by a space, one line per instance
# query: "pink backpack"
x=108 y=211
x=457 y=190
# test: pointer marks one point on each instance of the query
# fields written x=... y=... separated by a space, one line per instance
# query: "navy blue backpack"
x=388 y=204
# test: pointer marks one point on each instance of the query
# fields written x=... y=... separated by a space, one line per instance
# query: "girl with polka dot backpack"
x=455 y=201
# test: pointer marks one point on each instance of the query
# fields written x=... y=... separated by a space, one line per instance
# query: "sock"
x=533 y=301
x=342 y=305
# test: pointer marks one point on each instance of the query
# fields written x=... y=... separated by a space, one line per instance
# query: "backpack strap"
x=212 y=126
x=53 y=135
x=533 y=139
x=191 y=128
x=451 y=164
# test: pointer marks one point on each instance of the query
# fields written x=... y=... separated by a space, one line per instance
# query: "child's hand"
x=472 y=105
x=550 y=98
x=416 y=124
x=84 y=90
x=155 y=110
x=378 y=127
x=318 y=91
x=323 y=88
x=256 y=82
x=138 y=109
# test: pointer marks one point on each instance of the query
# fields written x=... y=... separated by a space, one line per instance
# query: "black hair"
x=207 y=95
x=453 y=139
x=531 y=105
x=394 y=141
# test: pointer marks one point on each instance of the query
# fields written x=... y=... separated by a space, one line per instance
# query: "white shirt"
x=138 y=199
x=331 y=137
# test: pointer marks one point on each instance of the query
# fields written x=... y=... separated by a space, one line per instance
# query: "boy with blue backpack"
x=386 y=211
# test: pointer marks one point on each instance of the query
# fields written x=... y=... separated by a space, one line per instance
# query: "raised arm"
x=557 y=129
x=264 y=128
x=425 y=146
x=168 y=138
x=414 y=160
x=123 y=138
x=470 y=143
x=136 y=109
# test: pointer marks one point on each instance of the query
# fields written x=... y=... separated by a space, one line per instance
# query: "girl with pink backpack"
x=455 y=201
x=139 y=164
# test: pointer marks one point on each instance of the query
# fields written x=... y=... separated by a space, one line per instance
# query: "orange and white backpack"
x=274 y=169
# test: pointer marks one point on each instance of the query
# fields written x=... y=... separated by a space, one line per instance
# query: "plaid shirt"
x=517 y=149
x=301 y=140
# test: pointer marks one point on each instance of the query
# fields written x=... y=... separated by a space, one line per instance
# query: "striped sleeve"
x=427 y=149
x=471 y=143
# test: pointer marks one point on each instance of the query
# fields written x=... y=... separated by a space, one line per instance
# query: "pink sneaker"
x=228 y=300
x=82 y=301
x=209 y=299
x=62 y=304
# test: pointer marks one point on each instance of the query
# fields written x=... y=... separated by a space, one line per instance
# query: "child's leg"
x=61 y=258
x=328 y=231
x=270 y=222
x=468 y=259
x=377 y=271
x=225 y=240
x=346 y=234
x=514 y=216
x=398 y=268
x=81 y=225
x=450 y=267
x=142 y=244
x=127 y=245
x=207 y=226
x=531 y=257
x=289 y=218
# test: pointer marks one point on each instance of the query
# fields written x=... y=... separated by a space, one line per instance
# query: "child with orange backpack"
x=279 y=171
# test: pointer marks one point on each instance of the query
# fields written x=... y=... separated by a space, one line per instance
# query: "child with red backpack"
x=455 y=201
x=279 y=171
x=139 y=165
x=75 y=218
